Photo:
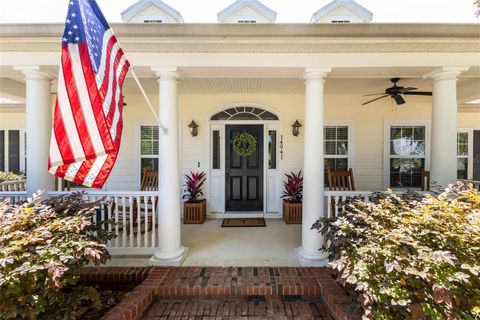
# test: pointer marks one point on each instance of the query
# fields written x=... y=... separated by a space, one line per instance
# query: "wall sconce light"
x=296 y=128
x=193 y=128
x=123 y=101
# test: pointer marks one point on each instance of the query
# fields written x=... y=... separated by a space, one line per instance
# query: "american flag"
x=87 y=121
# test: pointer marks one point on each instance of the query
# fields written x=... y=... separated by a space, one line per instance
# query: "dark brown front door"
x=244 y=175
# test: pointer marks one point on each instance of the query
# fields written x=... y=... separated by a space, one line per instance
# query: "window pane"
x=334 y=164
x=462 y=137
x=342 y=148
x=342 y=133
x=462 y=144
x=406 y=172
x=216 y=149
x=146 y=148
x=396 y=132
x=419 y=133
x=330 y=133
x=272 y=149
x=462 y=149
x=146 y=133
x=155 y=132
x=155 y=147
x=148 y=164
x=462 y=168
x=330 y=147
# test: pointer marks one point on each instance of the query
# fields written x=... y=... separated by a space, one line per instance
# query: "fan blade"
x=373 y=94
x=385 y=95
x=408 y=89
x=399 y=99
x=418 y=93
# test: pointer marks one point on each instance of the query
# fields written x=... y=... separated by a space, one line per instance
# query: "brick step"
x=241 y=281
x=239 y=308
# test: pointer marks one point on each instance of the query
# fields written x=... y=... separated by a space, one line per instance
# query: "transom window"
x=407 y=155
x=244 y=113
x=148 y=149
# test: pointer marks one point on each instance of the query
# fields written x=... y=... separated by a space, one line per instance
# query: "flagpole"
x=132 y=70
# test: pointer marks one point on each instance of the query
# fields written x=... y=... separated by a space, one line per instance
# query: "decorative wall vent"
x=244 y=113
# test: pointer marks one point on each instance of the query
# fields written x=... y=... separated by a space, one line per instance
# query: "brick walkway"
x=239 y=308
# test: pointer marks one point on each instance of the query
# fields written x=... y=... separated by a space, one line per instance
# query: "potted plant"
x=194 y=209
x=292 y=198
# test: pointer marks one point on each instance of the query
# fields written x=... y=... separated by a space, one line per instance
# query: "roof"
x=351 y=5
x=142 y=5
x=254 y=4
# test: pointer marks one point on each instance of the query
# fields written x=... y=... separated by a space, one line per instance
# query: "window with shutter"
x=14 y=151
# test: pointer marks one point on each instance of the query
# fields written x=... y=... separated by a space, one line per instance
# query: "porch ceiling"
x=268 y=80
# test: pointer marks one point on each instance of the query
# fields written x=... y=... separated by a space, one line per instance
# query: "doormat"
x=243 y=222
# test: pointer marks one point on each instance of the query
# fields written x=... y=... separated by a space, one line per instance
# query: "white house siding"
x=368 y=130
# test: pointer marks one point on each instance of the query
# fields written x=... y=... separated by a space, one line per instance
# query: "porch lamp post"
x=193 y=128
x=296 y=128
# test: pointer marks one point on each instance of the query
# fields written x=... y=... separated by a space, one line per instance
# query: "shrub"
x=410 y=257
x=41 y=245
x=10 y=176
x=293 y=187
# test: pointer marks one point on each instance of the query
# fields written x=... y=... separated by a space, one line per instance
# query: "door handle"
x=227 y=175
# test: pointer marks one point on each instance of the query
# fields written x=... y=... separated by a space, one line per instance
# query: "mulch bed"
x=109 y=299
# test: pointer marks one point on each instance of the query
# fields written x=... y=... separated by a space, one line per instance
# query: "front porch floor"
x=211 y=245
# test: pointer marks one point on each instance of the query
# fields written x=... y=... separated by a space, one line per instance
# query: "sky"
x=293 y=11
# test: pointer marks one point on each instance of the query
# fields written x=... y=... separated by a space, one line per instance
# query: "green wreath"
x=244 y=144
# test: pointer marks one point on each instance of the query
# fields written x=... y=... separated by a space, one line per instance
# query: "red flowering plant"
x=193 y=186
x=293 y=187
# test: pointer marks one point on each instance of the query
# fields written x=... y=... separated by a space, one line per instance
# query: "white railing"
x=133 y=217
x=13 y=196
x=19 y=185
x=335 y=199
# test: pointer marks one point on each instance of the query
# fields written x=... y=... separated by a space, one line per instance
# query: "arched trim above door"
x=244 y=113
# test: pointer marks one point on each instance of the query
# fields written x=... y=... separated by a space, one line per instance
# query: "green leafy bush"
x=410 y=256
x=10 y=176
x=41 y=245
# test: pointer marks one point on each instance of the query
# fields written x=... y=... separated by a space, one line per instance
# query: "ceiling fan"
x=395 y=92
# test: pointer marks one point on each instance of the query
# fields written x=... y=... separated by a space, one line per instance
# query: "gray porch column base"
x=171 y=259
x=312 y=259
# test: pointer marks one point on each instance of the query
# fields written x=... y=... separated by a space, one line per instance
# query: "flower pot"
x=195 y=212
x=292 y=212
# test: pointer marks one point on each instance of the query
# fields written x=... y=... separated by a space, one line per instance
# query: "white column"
x=443 y=159
x=39 y=126
x=309 y=253
x=170 y=250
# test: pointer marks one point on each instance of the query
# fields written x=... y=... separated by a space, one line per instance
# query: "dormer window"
x=246 y=21
x=247 y=12
x=151 y=11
